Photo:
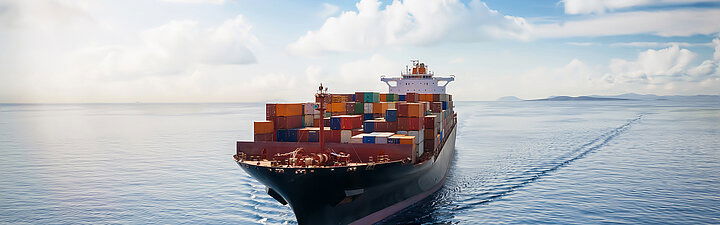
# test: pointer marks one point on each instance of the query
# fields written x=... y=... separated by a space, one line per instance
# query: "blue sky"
x=255 y=51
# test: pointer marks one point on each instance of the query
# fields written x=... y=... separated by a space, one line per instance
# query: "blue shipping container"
x=393 y=141
x=369 y=139
x=391 y=115
x=313 y=136
x=292 y=135
x=368 y=116
x=369 y=126
x=281 y=135
x=401 y=98
x=335 y=123
x=287 y=135
x=444 y=105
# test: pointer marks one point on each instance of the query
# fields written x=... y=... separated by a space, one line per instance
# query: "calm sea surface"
x=636 y=162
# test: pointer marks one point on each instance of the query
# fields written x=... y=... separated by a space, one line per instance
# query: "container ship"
x=356 y=158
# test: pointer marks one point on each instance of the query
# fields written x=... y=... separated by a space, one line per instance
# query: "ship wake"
x=526 y=177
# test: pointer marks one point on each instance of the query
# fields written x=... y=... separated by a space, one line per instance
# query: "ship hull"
x=355 y=195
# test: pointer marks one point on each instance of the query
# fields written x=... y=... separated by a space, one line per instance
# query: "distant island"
x=622 y=97
x=508 y=99
x=579 y=98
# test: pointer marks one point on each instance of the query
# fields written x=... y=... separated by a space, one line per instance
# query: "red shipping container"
x=264 y=137
x=288 y=122
x=436 y=98
x=402 y=110
x=350 y=107
x=430 y=134
x=350 y=122
x=326 y=122
x=436 y=107
x=334 y=136
x=402 y=123
x=359 y=97
x=411 y=97
x=414 y=123
x=316 y=122
x=381 y=126
x=430 y=145
x=392 y=126
x=430 y=121
x=269 y=112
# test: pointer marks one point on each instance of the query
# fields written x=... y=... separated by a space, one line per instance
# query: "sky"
x=103 y=51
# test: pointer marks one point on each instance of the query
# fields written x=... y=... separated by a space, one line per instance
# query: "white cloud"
x=197 y=1
x=716 y=54
x=659 y=44
x=602 y=6
x=682 y=22
x=328 y=10
x=652 y=66
x=410 y=22
x=582 y=43
x=668 y=71
x=665 y=66
x=171 y=49
x=57 y=51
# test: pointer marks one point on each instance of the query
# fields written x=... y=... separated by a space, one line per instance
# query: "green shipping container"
x=359 y=108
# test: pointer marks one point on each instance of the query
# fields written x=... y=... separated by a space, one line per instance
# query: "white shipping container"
x=308 y=120
x=381 y=140
x=346 y=136
x=420 y=148
x=419 y=134
x=357 y=138
x=368 y=107
x=309 y=108
x=403 y=132
x=392 y=105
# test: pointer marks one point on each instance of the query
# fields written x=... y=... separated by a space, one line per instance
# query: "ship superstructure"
x=418 y=79
x=355 y=158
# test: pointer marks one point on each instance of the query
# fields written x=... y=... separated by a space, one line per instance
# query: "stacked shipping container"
x=363 y=117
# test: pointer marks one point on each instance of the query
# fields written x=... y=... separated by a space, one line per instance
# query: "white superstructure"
x=417 y=79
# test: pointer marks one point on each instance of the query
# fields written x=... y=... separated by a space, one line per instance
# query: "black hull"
x=360 y=195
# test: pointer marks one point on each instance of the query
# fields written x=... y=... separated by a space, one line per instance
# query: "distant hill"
x=508 y=99
x=579 y=98
x=633 y=96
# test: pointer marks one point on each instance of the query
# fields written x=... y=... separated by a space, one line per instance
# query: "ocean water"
x=627 y=162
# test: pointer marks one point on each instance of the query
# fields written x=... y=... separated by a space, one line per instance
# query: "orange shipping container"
x=383 y=97
x=415 y=110
x=377 y=107
x=338 y=108
x=263 y=127
x=407 y=140
x=289 y=109
x=385 y=106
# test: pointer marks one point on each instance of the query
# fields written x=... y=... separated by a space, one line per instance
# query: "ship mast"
x=321 y=95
